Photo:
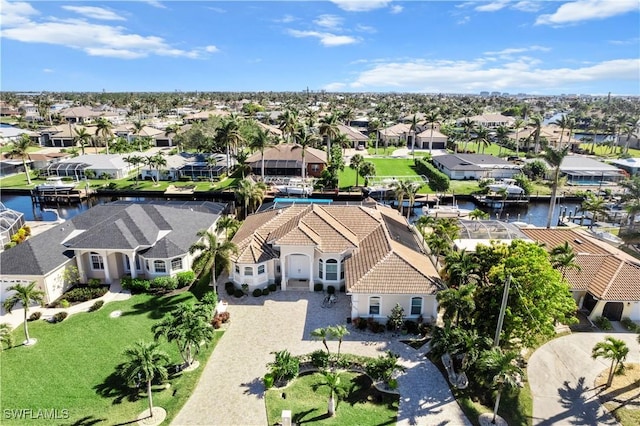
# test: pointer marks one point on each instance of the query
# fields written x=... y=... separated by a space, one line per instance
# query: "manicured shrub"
x=318 y=287
x=257 y=292
x=95 y=282
x=97 y=305
x=185 y=278
x=319 y=359
x=268 y=380
x=135 y=285
x=64 y=303
x=265 y=291
x=229 y=285
x=238 y=293
x=630 y=325
x=331 y=290
x=165 y=283
x=231 y=291
x=272 y=287
x=35 y=316
x=603 y=323
x=82 y=294
x=59 y=317
x=210 y=298
x=438 y=181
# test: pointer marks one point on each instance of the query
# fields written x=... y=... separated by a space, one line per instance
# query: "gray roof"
x=471 y=161
x=161 y=229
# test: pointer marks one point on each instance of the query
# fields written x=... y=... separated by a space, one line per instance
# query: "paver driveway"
x=230 y=391
x=562 y=375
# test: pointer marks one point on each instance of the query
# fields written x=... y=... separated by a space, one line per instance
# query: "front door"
x=613 y=311
x=298 y=267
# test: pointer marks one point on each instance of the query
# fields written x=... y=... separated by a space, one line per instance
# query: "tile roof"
x=290 y=152
x=385 y=255
x=605 y=272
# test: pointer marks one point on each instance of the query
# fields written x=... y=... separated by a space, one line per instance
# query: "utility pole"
x=503 y=307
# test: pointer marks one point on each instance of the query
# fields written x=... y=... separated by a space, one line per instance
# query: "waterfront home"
x=370 y=252
x=108 y=242
x=629 y=165
x=355 y=136
x=475 y=166
x=286 y=160
x=581 y=170
x=608 y=281
x=61 y=136
x=10 y=222
x=490 y=120
x=79 y=114
x=112 y=166
x=395 y=135
x=428 y=139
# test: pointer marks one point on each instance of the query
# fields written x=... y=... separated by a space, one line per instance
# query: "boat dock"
x=60 y=196
x=499 y=202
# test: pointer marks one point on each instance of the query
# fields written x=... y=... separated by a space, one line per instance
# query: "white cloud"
x=286 y=19
x=633 y=40
x=585 y=10
x=360 y=5
x=365 y=28
x=217 y=9
x=47 y=70
x=464 y=20
x=479 y=74
x=155 y=3
x=396 y=8
x=95 y=13
x=326 y=39
x=15 y=13
x=514 y=50
x=493 y=6
x=334 y=87
x=211 y=49
x=527 y=6
x=96 y=40
x=331 y=22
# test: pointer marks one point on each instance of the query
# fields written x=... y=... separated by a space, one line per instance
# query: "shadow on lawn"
x=88 y=421
x=158 y=306
x=114 y=386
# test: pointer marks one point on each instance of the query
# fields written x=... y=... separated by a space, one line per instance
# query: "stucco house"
x=435 y=138
x=108 y=242
x=369 y=251
x=475 y=166
x=286 y=160
x=112 y=165
x=581 y=170
x=608 y=281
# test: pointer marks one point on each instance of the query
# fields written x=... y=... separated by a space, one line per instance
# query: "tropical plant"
x=594 y=205
x=188 y=326
x=460 y=267
x=250 y=194
x=145 y=363
x=554 y=158
x=355 y=164
x=614 y=349
x=477 y=214
x=396 y=317
x=457 y=301
x=432 y=116
x=285 y=366
x=260 y=141
x=289 y=124
x=82 y=137
x=405 y=188
x=367 y=170
x=104 y=131
x=339 y=332
x=136 y=161
x=323 y=334
x=210 y=250
x=517 y=125
x=25 y=295
x=329 y=129
x=6 y=336
x=20 y=149
x=332 y=381
x=563 y=258
x=229 y=135
x=305 y=138
x=504 y=374
x=229 y=224
x=536 y=121
x=481 y=137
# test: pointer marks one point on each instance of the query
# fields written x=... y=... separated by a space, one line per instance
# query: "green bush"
x=95 y=282
x=438 y=181
x=35 y=316
x=265 y=291
x=257 y=292
x=238 y=293
x=319 y=359
x=228 y=285
x=383 y=367
x=272 y=287
x=210 y=298
x=630 y=325
x=185 y=278
x=165 y=282
x=59 y=317
x=603 y=323
x=96 y=306
x=231 y=291
x=64 y=303
x=268 y=380
x=81 y=294
x=285 y=367
x=318 y=287
x=331 y=290
x=135 y=285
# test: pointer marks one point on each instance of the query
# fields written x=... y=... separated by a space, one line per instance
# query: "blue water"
x=534 y=213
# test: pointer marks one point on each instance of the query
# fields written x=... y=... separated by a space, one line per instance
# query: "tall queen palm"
x=214 y=251
x=329 y=129
x=554 y=158
x=103 y=129
x=20 y=150
x=24 y=295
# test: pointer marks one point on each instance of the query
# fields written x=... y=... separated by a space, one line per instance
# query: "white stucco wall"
x=360 y=306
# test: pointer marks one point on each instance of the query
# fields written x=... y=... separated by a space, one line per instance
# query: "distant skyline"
x=534 y=47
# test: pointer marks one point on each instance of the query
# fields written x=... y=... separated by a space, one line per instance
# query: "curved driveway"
x=562 y=375
x=230 y=391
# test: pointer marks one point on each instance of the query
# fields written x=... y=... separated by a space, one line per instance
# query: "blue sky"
x=537 y=47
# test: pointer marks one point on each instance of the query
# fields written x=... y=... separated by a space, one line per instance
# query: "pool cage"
x=63 y=168
x=10 y=222
x=489 y=230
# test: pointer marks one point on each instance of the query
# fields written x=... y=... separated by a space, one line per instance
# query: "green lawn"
x=603 y=151
x=9 y=147
x=363 y=404
x=384 y=167
x=382 y=150
x=72 y=365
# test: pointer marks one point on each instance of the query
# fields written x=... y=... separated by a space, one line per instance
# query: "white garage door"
x=298 y=266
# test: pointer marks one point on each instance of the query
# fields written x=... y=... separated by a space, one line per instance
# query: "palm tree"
x=375 y=126
x=82 y=137
x=554 y=158
x=305 y=138
x=367 y=170
x=145 y=363
x=260 y=141
x=468 y=125
x=413 y=127
x=20 y=150
x=457 y=301
x=25 y=295
x=6 y=336
x=188 y=326
x=329 y=129
x=504 y=374
x=432 y=118
x=355 y=164
x=478 y=214
x=323 y=334
x=137 y=128
x=229 y=224
x=502 y=136
x=332 y=381
x=211 y=250
x=517 y=125
x=103 y=130
x=338 y=332
x=563 y=258
x=460 y=267
x=594 y=205
x=289 y=123
x=614 y=349
x=136 y=161
x=404 y=188
x=536 y=122
x=229 y=135
x=481 y=137
x=343 y=142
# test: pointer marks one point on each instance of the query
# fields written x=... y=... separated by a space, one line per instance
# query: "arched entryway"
x=613 y=311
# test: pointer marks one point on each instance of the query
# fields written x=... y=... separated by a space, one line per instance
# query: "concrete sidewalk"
x=230 y=391
x=562 y=375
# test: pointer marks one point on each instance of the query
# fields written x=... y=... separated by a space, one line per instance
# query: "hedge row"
x=438 y=181
x=162 y=283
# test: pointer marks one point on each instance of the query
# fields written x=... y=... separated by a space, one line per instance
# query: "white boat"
x=445 y=210
x=55 y=183
x=294 y=187
x=506 y=184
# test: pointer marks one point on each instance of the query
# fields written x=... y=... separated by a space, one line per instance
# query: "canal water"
x=534 y=213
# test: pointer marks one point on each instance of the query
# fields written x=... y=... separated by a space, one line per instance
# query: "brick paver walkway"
x=230 y=391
